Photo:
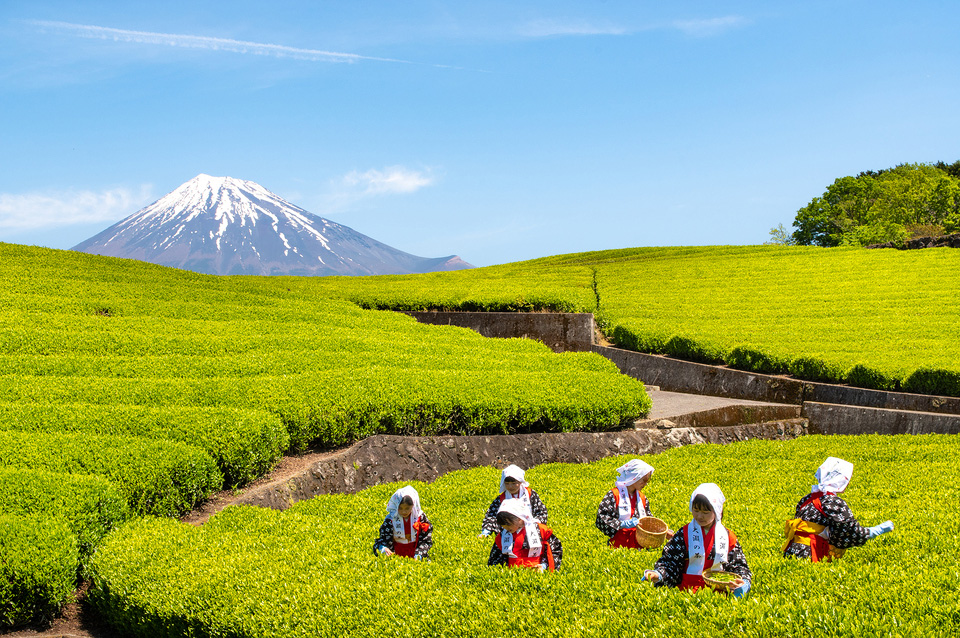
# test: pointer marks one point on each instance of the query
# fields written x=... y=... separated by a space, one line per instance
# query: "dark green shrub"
x=815 y=369
x=863 y=376
x=934 y=381
x=748 y=358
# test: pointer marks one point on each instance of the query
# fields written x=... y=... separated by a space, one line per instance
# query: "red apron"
x=694 y=582
x=522 y=556
x=628 y=537
x=408 y=549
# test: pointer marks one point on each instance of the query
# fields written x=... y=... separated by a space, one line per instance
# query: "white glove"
x=483 y=533
x=877 y=530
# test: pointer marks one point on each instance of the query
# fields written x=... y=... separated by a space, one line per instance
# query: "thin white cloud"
x=208 y=43
x=393 y=179
x=708 y=27
x=346 y=192
x=695 y=28
x=549 y=28
x=32 y=211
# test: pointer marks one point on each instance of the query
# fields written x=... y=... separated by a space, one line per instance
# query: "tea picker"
x=625 y=506
x=824 y=527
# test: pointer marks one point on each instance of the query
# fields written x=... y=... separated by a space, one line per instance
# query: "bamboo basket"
x=709 y=577
x=651 y=532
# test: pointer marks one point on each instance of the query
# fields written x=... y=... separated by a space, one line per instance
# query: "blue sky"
x=498 y=131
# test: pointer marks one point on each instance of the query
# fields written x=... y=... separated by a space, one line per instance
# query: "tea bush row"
x=245 y=444
x=154 y=477
x=871 y=318
x=38 y=568
x=90 y=505
x=310 y=571
x=338 y=406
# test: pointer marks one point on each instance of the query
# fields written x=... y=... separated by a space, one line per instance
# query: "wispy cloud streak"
x=37 y=210
x=694 y=28
x=550 y=28
x=209 y=43
x=347 y=191
x=708 y=27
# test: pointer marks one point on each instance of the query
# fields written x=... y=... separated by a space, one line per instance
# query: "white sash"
x=624 y=506
x=696 y=556
x=533 y=540
x=524 y=498
x=398 y=535
x=506 y=538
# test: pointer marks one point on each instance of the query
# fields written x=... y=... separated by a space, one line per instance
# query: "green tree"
x=880 y=206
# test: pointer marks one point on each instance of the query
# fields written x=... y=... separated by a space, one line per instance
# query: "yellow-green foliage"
x=244 y=443
x=90 y=505
x=85 y=330
x=38 y=568
x=155 y=477
x=310 y=571
x=884 y=319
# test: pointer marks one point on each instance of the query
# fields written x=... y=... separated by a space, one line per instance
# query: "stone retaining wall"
x=847 y=419
x=572 y=331
x=386 y=458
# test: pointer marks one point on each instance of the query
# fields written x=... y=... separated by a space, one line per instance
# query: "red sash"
x=628 y=537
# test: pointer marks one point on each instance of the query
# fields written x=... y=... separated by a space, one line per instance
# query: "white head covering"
x=515 y=507
x=713 y=494
x=394 y=504
x=514 y=472
x=628 y=474
x=833 y=476
x=632 y=471
x=696 y=555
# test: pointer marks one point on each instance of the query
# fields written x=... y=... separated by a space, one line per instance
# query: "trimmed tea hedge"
x=38 y=568
x=154 y=477
x=244 y=443
x=90 y=505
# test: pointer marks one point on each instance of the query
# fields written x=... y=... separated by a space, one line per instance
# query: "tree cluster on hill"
x=889 y=205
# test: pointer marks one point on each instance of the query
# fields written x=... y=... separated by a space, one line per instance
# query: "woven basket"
x=710 y=578
x=651 y=532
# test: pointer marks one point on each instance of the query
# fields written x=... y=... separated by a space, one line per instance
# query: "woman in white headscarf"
x=523 y=542
x=624 y=505
x=703 y=545
x=513 y=485
x=405 y=531
x=824 y=526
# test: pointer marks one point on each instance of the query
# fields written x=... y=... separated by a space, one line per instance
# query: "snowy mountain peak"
x=223 y=225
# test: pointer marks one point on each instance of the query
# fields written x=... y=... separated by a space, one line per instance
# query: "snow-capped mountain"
x=227 y=226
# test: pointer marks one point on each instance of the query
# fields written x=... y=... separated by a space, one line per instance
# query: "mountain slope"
x=227 y=226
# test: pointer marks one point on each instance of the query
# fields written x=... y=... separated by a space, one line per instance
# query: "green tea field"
x=310 y=571
x=883 y=319
x=156 y=387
